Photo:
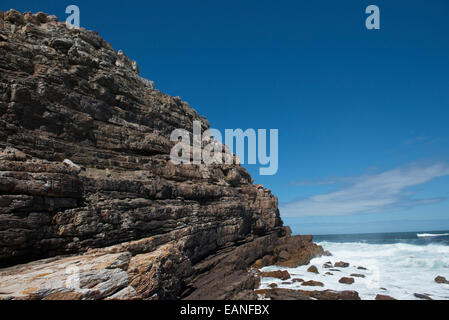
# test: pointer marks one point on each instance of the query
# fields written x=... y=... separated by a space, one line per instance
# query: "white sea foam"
x=423 y=235
x=402 y=269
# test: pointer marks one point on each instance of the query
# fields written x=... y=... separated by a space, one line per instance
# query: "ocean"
x=414 y=238
x=398 y=264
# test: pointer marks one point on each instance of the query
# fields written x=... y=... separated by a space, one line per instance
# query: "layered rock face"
x=86 y=181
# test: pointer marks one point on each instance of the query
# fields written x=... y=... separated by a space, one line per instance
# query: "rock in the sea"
x=384 y=297
x=357 y=275
x=341 y=264
x=441 y=279
x=346 y=280
x=313 y=283
x=422 y=296
x=273 y=285
x=313 y=269
x=87 y=185
x=297 y=280
x=279 y=274
x=362 y=268
x=329 y=273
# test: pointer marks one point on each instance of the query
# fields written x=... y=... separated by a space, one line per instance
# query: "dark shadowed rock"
x=297 y=280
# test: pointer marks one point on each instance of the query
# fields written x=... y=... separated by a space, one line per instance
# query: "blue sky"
x=362 y=115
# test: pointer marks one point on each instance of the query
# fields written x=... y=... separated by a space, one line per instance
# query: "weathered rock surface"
x=87 y=188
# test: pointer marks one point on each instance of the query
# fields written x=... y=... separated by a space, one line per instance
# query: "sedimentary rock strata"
x=88 y=193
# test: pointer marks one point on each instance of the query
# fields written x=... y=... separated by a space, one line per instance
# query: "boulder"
x=313 y=283
x=341 y=264
x=279 y=274
x=441 y=279
x=313 y=269
x=384 y=297
x=284 y=255
x=422 y=296
x=346 y=280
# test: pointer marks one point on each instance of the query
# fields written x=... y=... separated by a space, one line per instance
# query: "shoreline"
x=400 y=271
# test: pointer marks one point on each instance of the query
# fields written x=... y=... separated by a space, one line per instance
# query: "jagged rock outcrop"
x=86 y=182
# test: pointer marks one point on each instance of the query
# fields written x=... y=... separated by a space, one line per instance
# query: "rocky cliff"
x=87 y=190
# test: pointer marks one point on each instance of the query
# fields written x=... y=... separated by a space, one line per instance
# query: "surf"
x=425 y=235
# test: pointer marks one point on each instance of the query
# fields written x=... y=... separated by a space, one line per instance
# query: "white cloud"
x=369 y=193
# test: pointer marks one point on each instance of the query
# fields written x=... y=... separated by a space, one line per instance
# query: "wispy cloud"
x=323 y=182
x=369 y=193
x=416 y=140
